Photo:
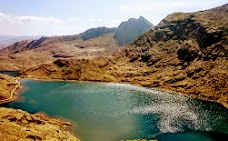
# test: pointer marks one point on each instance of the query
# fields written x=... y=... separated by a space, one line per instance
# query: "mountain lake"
x=114 y=112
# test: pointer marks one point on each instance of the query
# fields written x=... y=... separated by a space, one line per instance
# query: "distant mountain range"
x=126 y=33
x=96 y=32
x=8 y=40
x=94 y=42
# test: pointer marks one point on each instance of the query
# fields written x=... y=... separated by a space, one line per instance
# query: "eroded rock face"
x=189 y=43
x=36 y=43
x=61 y=63
x=187 y=53
x=176 y=30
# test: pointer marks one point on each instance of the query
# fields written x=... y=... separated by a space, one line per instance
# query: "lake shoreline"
x=70 y=123
x=78 y=81
x=13 y=94
x=92 y=86
x=16 y=116
x=154 y=88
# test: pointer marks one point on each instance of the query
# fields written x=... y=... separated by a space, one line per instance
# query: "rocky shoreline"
x=61 y=124
x=110 y=70
x=19 y=125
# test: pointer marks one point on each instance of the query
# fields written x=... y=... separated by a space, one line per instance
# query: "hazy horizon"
x=58 y=17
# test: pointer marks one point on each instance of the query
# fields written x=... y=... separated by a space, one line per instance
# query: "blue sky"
x=62 y=17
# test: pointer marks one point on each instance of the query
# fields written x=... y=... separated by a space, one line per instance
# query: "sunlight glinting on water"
x=111 y=111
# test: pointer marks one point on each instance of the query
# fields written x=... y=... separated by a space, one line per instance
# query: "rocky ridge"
x=186 y=52
x=95 y=42
x=96 y=32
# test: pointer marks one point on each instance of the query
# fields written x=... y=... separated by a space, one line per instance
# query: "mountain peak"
x=130 y=30
x=142 y=18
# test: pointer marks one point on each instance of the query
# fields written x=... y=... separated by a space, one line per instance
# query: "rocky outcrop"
x=16 y=47
x=96 y=32
x=19 y=125
x=36 y=43
x=192 y=48
x=130 y=30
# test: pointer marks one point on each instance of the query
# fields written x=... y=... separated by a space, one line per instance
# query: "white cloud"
x=39 y=19
x=30 y=25
x=156 y=11
x=96 y=20
x=154 y=6
x=28 y=19
x=119 y=11
x=113 y=22
x=7 y=18
x=72 y=19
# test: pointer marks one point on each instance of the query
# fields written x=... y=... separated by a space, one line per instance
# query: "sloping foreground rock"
x=19 y=125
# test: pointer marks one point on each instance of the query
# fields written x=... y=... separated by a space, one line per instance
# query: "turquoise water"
x=114 y=112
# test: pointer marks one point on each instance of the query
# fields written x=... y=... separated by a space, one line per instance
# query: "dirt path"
x=12 y=92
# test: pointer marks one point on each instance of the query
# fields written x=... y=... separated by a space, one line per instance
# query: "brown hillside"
x=7 y=85
x=186 y=52
x=2 y=46
x=27 y=54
